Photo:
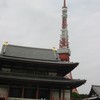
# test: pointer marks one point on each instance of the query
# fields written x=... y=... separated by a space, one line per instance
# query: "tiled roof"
x=29 y=53
x=56 y=81
x=94 y=92
x=96 y=88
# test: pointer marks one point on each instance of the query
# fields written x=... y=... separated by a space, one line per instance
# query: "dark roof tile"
x=96 y=88
x=29 y=52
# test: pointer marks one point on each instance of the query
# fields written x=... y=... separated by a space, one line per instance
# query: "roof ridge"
x=29 y=47
x=95 y=85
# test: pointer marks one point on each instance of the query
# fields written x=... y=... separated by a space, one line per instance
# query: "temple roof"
x=45 y=81
x=94 y=92
x=61 y=67
x=39 y=55
x=29 y=52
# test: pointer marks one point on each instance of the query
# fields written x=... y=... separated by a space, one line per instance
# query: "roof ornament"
x=55 y=52
x=4 y=47
x=54 y=49
x=5 y=43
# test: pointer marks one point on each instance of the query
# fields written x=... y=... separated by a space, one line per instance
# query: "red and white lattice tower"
x=64 y=51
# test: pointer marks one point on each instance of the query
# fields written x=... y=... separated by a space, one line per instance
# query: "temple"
x=34 y=73
x=28 y=73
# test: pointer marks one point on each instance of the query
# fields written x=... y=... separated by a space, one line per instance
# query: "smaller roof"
x=94 y=92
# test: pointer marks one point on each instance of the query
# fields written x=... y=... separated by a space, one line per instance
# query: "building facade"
x=34 y=73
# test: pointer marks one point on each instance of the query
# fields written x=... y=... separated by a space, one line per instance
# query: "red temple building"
x=28 y=73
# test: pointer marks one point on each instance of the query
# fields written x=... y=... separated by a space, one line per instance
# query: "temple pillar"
x=59 y=94
x=7 y=93
x=63 y=94
x=23 y=92
x=37 y=92
x=51 y=94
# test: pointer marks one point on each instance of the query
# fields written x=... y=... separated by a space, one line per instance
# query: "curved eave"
x=44 y=81
x=55 y=62
x=63 y=67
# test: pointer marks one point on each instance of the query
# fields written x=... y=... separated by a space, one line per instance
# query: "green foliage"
x=76 y=96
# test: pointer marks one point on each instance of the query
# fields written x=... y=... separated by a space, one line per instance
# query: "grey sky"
x=37 y=23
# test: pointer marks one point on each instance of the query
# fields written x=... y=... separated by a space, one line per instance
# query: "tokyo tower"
x=64 y=51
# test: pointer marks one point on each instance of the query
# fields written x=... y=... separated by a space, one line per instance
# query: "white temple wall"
x=3 y=91
x=55 y=94
x=67 y=95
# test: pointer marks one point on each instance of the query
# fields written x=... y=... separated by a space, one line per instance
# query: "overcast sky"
x=37 y=23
